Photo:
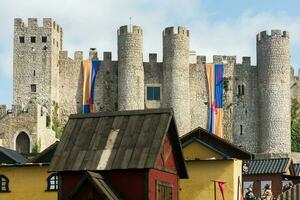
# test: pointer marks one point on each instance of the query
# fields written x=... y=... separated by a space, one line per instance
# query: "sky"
x=217 y=27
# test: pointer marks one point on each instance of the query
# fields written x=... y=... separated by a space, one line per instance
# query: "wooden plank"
x=83 y=133
x=157 y=142
x=144 y=139
x=101 y=135
x=79 y=160
x=62 y=144
x=129 y=133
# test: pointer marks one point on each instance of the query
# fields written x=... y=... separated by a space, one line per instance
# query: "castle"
x=48 y=86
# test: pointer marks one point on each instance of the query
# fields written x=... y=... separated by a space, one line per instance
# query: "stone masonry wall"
x=176 y=76
x=273 y=61
x=153 y=76
x=245 y=123
x=70 y=89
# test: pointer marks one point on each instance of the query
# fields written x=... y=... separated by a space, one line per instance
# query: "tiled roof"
x=267 y=166
x=117 y=140
x=16 y=157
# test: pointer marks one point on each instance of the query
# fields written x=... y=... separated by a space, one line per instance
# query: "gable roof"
x=267 y=166
x=99 y=183
x=11 y=156
x=46 y=155
x=215 y=143
x=117 y=140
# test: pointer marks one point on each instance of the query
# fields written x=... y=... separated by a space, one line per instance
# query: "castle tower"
x=130 y=68
x=176 y=75
x=274 y=100
x=36 y=55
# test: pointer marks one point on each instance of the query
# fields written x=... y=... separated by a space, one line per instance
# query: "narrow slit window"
x=44 y=39
x=243 y=89
x=241 y=129
x=32 y=39
x=22 y=39
x=33 y=87
x=239 y=90
x=33 y=72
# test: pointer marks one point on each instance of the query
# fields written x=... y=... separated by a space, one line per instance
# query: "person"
x=249 y=194
x=268 y=193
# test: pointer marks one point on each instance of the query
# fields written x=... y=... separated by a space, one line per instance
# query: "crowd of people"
x=267 y=195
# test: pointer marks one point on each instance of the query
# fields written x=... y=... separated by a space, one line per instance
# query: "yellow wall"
x=196 y=150
x=27 y=183
x=199 y=185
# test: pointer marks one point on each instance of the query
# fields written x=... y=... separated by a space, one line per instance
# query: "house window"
x=52 y=182
x=4 y=184
x=44 y=39
x=32 y=39
x=22 y=39
x=164 y=191
x=153 y=93
x=33 y=87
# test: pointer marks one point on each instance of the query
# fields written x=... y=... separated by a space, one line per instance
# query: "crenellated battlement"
x=107 y=56
x=180 y=31
x=126 y=29
x=222 y=58
x=152 y=57
x=32 y=23
x=201 y=59
x=64 y=55
x=246 y=60
x=274 y=34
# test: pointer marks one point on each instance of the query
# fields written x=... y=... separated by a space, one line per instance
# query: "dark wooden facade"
x=137 y=152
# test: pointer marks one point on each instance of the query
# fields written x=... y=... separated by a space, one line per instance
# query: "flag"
x=90 y=69
x=215 y=77
x=222 y=188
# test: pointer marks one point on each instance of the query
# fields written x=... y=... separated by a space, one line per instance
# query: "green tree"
x=295 y=126
x=56 y=126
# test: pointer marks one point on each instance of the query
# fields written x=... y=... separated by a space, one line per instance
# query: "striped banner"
x=90 y=69
x=215 y=73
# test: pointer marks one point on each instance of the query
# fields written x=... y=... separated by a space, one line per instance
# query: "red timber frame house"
x=120 y=155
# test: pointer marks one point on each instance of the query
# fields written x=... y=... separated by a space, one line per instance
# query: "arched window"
x=23 y=143
x=4 y=184
x=52 y=182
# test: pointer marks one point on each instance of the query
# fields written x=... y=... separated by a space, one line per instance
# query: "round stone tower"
x=176 y=76
x=274 y=100
x=130 y=68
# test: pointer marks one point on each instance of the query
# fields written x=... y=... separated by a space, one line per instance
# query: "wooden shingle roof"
x=117 y=140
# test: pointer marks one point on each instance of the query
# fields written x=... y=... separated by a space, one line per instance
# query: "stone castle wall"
x=122 y=84
x=244 y=111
